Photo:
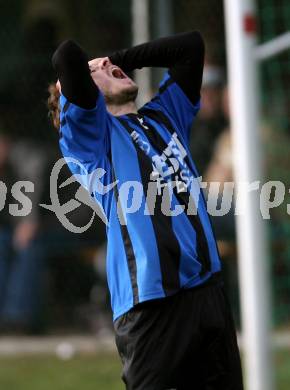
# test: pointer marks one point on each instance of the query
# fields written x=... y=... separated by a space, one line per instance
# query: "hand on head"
x=117 y=88
x=95 y=64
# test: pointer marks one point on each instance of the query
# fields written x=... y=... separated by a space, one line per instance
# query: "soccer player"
x=172 y=321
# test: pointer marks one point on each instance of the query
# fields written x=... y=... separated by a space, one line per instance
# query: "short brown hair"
x=53 y=105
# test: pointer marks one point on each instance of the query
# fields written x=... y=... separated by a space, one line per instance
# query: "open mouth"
x=117 y=73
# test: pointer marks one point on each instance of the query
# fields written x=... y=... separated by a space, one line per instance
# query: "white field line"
x=87 y=345
x=56 y=345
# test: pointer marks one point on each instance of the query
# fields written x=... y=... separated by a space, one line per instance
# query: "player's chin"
x=133 y=91
x=129 y=89
x=122 y=95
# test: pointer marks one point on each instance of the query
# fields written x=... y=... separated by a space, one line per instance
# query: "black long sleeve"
x=183 y=54
x=71 y=65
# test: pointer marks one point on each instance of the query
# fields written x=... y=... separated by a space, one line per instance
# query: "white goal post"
x=243 y=56
x=141 y=34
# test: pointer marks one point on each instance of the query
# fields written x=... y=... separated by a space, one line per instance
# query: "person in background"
x=220 y=169
x=22 y=265
x=211 y=120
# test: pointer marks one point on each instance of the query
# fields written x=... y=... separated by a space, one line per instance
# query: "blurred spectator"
x=220 y=169
x=22 y=259
x=210 y=120
x=275 y=145
x=276 y=166
x=76 y=288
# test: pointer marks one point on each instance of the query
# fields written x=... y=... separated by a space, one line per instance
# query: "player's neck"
x=118 y=110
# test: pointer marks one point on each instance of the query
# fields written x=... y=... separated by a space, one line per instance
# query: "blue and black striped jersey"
x=160 y=237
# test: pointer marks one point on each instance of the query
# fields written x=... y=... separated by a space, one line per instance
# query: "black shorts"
x=186 y=341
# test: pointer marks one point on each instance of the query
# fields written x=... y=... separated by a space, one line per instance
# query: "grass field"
x=100 y=372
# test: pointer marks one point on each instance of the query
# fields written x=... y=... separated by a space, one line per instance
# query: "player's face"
x=116 y=86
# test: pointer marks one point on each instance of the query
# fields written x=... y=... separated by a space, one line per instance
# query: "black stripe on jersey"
x=159 y=117
x=64 y=110
x=66 y=106
x=128 y=247
x=166 y=85
x=63 y=122
x=167 y=243
x=183 y=197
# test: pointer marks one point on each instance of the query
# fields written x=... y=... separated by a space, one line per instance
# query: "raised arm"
x=71 y=65
x=183 y=54
x=84 y=120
